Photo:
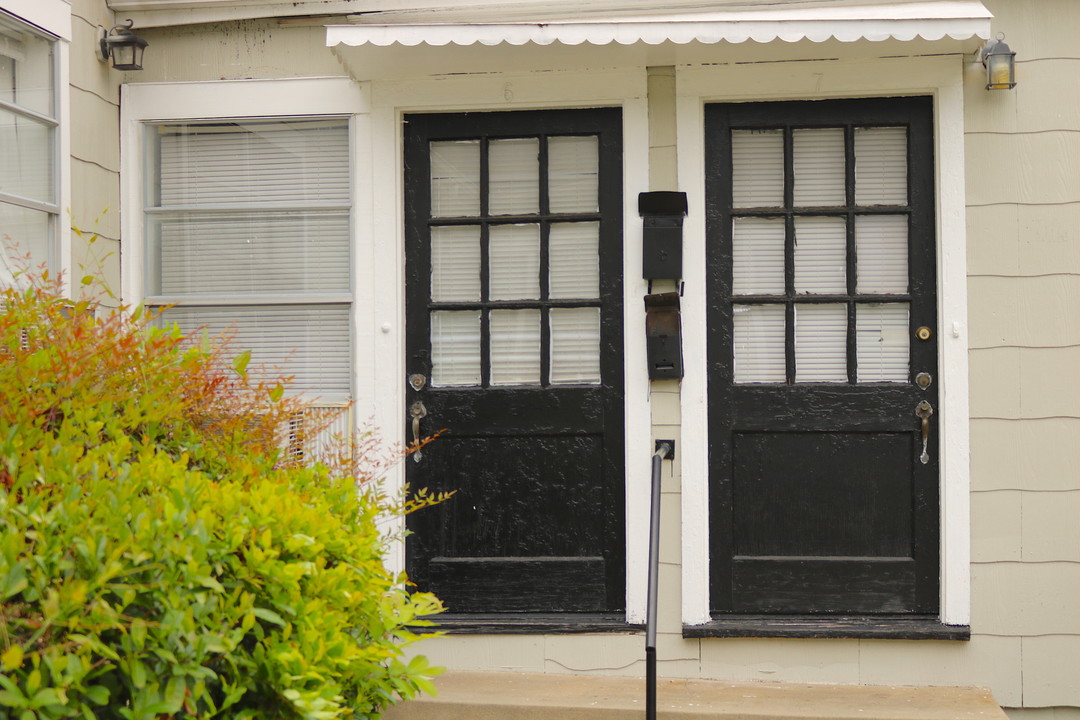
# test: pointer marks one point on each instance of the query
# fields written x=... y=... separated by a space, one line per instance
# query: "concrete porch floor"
x=522 y=696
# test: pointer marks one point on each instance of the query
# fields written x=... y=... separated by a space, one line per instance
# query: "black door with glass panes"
x=513 y=351
x=822 y=357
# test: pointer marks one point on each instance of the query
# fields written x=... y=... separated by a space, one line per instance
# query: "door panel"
x=821 y=269
x=513 y=271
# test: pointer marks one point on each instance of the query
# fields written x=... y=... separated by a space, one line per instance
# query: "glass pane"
x=455 y=263
x=575 y=346
x=24 y=241
x=515 y=176
x=821 y=343
x=514 y=255
x=819 y=166
x=26 y=68
x=286 y=252
x=574 y=260
x=573 y=174
x=881 y=338
x=820 y=255
x=256 y=162
x=515 y=347
x=455 y=178
x=757 y=263
x=757 y=168
x=26 y=157
x=759 y=344
x=309 y=342
x=881 y=166
x=881 y=252
x=455 y=348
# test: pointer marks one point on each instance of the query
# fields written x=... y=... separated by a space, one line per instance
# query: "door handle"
x=923 y=411
x=418 y=411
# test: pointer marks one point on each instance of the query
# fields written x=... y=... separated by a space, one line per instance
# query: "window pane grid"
x=536 y=216
x=844 y=247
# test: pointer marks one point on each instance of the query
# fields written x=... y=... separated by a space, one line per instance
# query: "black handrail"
x=664 y=449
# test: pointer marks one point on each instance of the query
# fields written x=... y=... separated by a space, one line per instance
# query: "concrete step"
x=522 y=696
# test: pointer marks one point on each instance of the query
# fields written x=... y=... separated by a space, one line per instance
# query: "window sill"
x=890 y=627
x=531 y=623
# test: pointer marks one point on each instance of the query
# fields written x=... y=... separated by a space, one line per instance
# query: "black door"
x=514 y=345
x=822 y=334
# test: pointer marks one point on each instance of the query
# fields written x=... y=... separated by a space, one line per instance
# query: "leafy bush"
x=159 y=555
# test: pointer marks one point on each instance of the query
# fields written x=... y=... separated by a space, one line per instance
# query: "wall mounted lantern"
x=999 y=62
x=124 y=47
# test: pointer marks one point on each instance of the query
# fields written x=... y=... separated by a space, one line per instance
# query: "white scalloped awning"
x=378 y=50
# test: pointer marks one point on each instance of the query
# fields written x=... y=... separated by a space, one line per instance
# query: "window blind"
x=26 y=157
x=881 y=166
x=28 y=149
x=308 y=342
x=455 y=178
x=573 y=174
x=455 y=263
x=259 y=208
x=514 y=252
x=282 y=252
x=295 y=162
x=574 y=260
x=514 y=176
x=515 y=347
x=757 y=159
x=759 y=343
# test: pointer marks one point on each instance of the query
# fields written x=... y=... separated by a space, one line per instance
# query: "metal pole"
x=662 y=451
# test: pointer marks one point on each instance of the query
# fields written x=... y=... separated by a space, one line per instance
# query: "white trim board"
x=143 y=103
x=52 y=16
x=941 y=77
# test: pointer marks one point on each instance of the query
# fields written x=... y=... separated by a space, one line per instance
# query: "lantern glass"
x=998 y=59
x=127 y=57
x=999 y=71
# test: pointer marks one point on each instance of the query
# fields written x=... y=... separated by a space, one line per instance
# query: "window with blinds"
x=29 y=124
x=515 y=272
x=247 y=227
x=820 y=254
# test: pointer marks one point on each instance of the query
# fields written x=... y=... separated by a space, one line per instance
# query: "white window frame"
x=52 y=19
x=168 y=103
x=941 y=77
x=392 y=100
x=52 y=16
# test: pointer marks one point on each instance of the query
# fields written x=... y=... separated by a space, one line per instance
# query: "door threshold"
x=530 y=623
x=893 y=627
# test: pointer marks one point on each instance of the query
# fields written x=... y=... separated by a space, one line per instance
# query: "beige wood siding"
x=95 y=151
x=238 y=50
x=1023 y=179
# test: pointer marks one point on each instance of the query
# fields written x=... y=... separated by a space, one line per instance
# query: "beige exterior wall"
x=95 y=153
x=239 y=50
x=1023 y=222
x=1023 y=180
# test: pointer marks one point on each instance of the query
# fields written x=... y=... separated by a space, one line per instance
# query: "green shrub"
x=158 y=555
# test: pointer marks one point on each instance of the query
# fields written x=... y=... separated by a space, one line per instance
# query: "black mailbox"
x=663 y=336
x=662 y=213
